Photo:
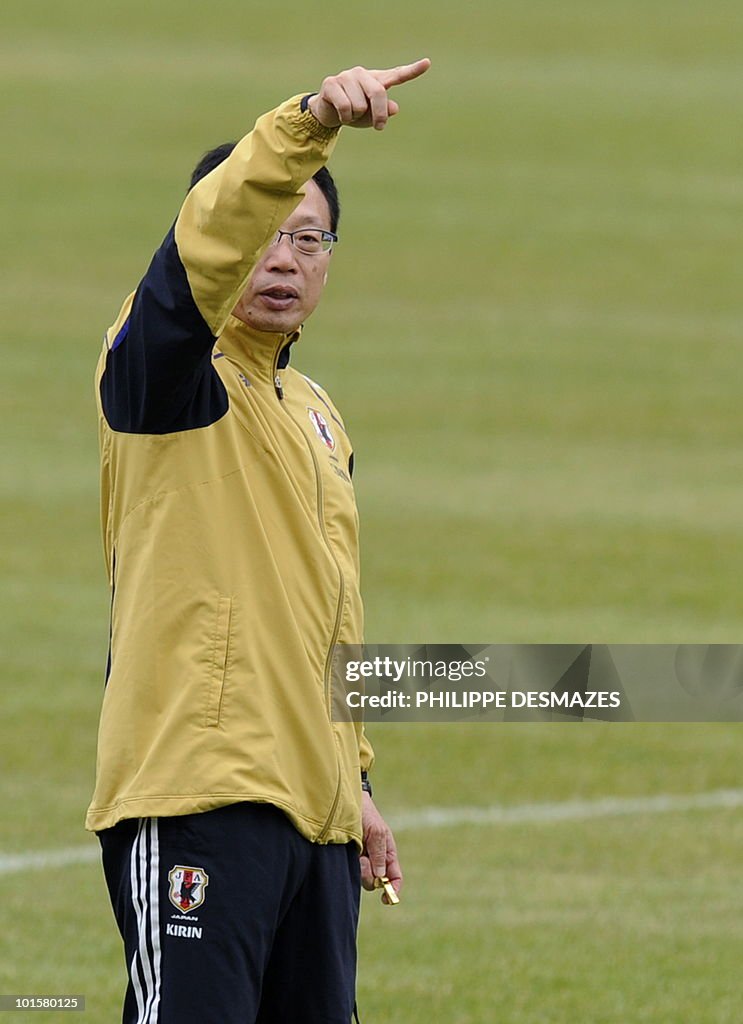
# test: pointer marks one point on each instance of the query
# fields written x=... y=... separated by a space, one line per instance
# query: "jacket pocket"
x=219 y=660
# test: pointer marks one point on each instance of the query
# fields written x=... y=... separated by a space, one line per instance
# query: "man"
x=228 y=803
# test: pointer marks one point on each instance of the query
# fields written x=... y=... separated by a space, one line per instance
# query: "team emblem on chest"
x=187 y=887
x=322 y=429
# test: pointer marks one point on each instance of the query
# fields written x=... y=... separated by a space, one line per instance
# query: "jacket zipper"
x=341 y=593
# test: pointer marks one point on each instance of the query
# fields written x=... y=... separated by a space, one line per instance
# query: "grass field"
x=534 y=329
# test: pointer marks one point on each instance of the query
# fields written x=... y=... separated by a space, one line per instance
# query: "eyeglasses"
x=311 y=241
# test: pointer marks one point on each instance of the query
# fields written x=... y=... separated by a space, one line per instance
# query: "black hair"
x=322 y=178
x=213 y=158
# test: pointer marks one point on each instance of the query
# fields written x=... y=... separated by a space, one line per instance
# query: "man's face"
x=286 y=285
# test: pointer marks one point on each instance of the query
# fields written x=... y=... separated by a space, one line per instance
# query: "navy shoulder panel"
x=159 y=376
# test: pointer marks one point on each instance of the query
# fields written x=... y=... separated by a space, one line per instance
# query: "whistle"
x=384 y=883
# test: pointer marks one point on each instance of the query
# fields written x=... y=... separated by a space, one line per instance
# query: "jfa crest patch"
x=321 y=426
x=187 y=887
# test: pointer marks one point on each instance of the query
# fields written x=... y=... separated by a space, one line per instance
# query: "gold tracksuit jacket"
x=229 y=523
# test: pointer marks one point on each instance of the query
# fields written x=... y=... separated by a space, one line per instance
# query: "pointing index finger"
x=402 y=73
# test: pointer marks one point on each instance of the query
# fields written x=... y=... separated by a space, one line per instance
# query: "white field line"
x=62 y=858
x=447 y=817
x=568 y=810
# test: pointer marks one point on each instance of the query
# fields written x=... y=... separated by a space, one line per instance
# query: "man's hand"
x=358 y=97
x=379 y=856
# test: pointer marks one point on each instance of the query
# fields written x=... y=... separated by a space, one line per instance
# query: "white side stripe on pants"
x=155 y=902
x=145 y=965
x=133 y=969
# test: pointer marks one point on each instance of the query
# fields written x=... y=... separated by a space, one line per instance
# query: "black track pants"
x=233 y=917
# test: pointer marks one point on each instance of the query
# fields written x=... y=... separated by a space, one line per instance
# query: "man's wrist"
x=305 y=119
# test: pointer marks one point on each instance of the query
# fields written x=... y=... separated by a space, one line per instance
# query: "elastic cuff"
x=306 y=120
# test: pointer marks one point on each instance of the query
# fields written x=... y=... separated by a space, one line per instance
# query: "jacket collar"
x=261 y=352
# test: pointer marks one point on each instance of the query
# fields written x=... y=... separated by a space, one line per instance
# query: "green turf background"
x=533 y=327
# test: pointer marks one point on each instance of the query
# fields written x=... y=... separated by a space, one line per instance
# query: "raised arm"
x=230 y=216
x=156 y=374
